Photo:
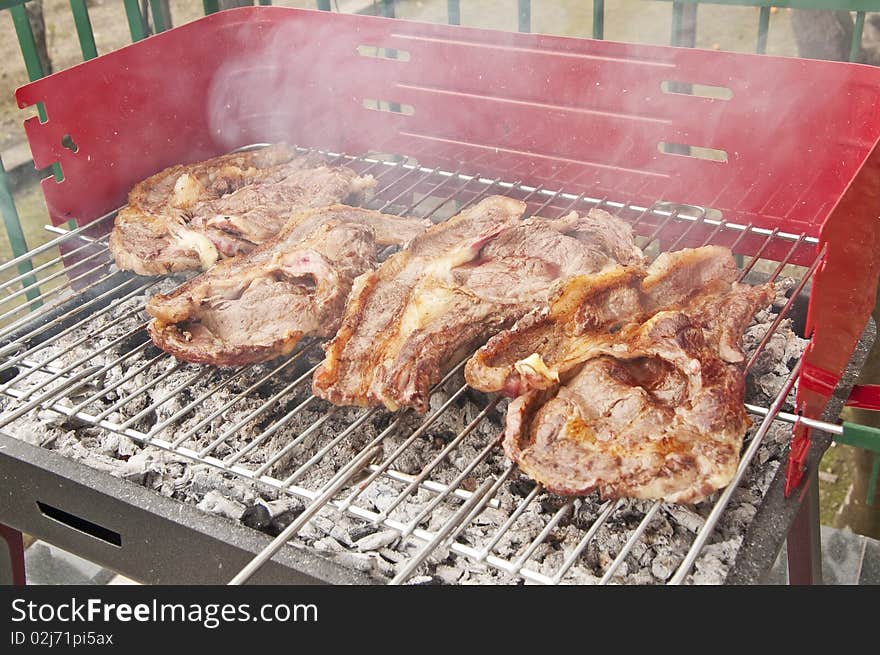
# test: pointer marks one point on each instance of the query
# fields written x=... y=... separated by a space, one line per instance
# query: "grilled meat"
x=186 y=217
x=548 y=342
x=258 y=306
x=458 y=283
x=656 y=411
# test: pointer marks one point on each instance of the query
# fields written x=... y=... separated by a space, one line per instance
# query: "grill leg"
x=13 y=572
x=803 y=542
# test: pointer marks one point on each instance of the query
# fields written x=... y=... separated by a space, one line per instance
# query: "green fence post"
x=26 y=42
x=598 y=19
x=676 y=23
x=453 y=12
x=135 y=20
x=323 y=5
x=17 y=240
x=84 y=29
x=524 y=15
x=211 y=6
x=867 y=438
x=763 y=28
x=158 y=16
x=387 y=7
x=855 y=49
x=28 y=46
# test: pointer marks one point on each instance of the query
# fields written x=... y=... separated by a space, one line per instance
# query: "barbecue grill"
x=690 y=147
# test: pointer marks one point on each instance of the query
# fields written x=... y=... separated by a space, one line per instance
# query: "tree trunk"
x=38 y=27
x=147 y=16
x=822 y=34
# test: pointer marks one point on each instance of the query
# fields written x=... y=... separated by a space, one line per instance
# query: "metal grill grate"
x=87 y=312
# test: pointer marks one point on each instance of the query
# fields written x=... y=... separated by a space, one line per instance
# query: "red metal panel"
x=576 y=113
x=560 y=110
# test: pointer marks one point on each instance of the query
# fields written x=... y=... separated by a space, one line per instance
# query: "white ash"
x=378 y=550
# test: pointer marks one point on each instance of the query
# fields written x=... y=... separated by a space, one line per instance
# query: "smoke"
x=592 y=118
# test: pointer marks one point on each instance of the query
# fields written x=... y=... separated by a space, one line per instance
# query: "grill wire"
x=38 y=378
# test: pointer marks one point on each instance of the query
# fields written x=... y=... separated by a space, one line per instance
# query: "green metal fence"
x=146 y=16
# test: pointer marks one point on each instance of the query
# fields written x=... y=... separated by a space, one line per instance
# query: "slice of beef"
x=184 y=185
x=186 y=217
x=546 y=343
x=258 y=306
x=454 y=286
x=655 y=412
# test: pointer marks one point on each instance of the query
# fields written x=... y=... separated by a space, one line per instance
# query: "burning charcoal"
x=469 y=484
x=443 y=437
x=217 y=503
x=638 y=552
x=550 y=503
x=490 y=516
x=44 y=437
x=766 y=476
x=664 y=565
x=323 y=524
x=448 y=574
x=340 y=533
x=51 y=419
x=685 y=517
x=423 y=580
x=783 y=287
x=738 y=519
x=580 y=576
x=772 y=353
x=438 y=398
x=376 y=549
x=329 y=545
x=267 y=515
x=382 y=420
x=640 y=577
x=746 y=495
x=659 y=532
x=380 y=495
x=369 y=563
x=361 y=531
x=377 y=540
x=140 y=465
x=522 y=486
x=392 y=555
x=117 y=444
x=552 y=561
x=621 y=572
x=708 y=571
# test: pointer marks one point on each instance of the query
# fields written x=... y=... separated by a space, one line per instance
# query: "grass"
x=834 y=482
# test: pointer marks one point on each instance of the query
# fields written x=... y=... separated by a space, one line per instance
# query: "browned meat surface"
x=186 y=217
x=548 y=342
x=655 y=411
x=458 y=283
x=258 y=306
x=676 y=276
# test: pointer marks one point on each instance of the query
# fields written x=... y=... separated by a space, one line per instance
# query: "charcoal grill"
x=690 y=147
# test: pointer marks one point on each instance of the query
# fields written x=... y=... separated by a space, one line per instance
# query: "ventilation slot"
x=698 y=152
x=387 y=105
x=81 y=524
x=701 y=90
x=382 y=53
x=68 y=142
